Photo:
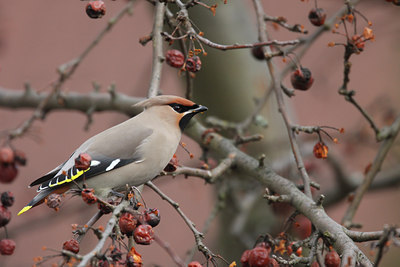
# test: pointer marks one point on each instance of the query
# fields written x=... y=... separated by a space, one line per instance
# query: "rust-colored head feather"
x=163 y=100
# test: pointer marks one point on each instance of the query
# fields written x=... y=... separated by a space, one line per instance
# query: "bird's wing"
x=108 y=152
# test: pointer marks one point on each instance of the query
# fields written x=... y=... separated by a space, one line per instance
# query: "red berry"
x=71 y=245
x=302 y=227
x=96 y=9
x=332 y=259
x=194 y=264
x=127 y=223
x=144 y=234
x=315 y=264
x=53 y=201
x=259 y=257
x=5 y=216
x=7 y=199
x=82 y=162
x=7 y=246
x=88 y=196
x=320 y=150
x=8 y=172
x=245 y=258
x=301 y=79
x=6 y=155
x=175 y=58
x=317 y=16
x=193 y=64
x=152 y=217
x=20 y=157
x=258 y=52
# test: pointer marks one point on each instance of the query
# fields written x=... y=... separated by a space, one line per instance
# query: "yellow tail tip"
x=26 y=208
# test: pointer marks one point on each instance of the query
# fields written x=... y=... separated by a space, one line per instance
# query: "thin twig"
x=198 y=236
x=375 y=168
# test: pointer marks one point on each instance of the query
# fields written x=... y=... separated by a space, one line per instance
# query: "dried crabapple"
x=143 y=234
x=175 y=58
x=82 y=162
x=88 y=196
x=7 y=246
x=320 y=150
x=258 y=52
x=301 y=79
x=71 y=245
x=152 y=217
x=8 y=172
x=332 y=259
x=53 y=201
x=96 y=9
x=7 y=199
x=259 y=257
x=317 y=16
x=193 y=64
x=127 y=223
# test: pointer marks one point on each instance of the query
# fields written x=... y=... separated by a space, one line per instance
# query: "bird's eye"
x=177 y=108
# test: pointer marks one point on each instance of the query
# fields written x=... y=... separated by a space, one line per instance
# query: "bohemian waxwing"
x=132 y=152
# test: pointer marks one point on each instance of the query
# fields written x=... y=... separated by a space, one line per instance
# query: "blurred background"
x=38 y=36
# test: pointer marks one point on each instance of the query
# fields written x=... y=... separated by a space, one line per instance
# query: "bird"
x=132 y=152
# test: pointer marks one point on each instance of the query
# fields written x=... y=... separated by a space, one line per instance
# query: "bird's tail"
x=38 y=199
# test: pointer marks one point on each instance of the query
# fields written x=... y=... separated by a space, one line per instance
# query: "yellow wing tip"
x=26 y=208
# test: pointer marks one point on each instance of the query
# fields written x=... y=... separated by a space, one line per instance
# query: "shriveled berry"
x=259 y=257
x=8 y=172
x=245 y=258
x=88 y=196
x=20 y=157
x=301 y=79
x=127 y=223
x=71 y=245
x=143 y=234
x=332 y=259
x=53 y=201
x=96 y=9
x=195 y=264
x=5 y=216
x=7 y=246
x=320 y=150
x=7 y=199
x=133 y=258
x=258 y=53
x=6 y=155
x=317 y=16
x=152 y=217
x=193 y=64
x=175 y=58
x=82 y=162
x=396 y=2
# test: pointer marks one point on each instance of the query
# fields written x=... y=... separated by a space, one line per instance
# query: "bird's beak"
x=200 y=109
